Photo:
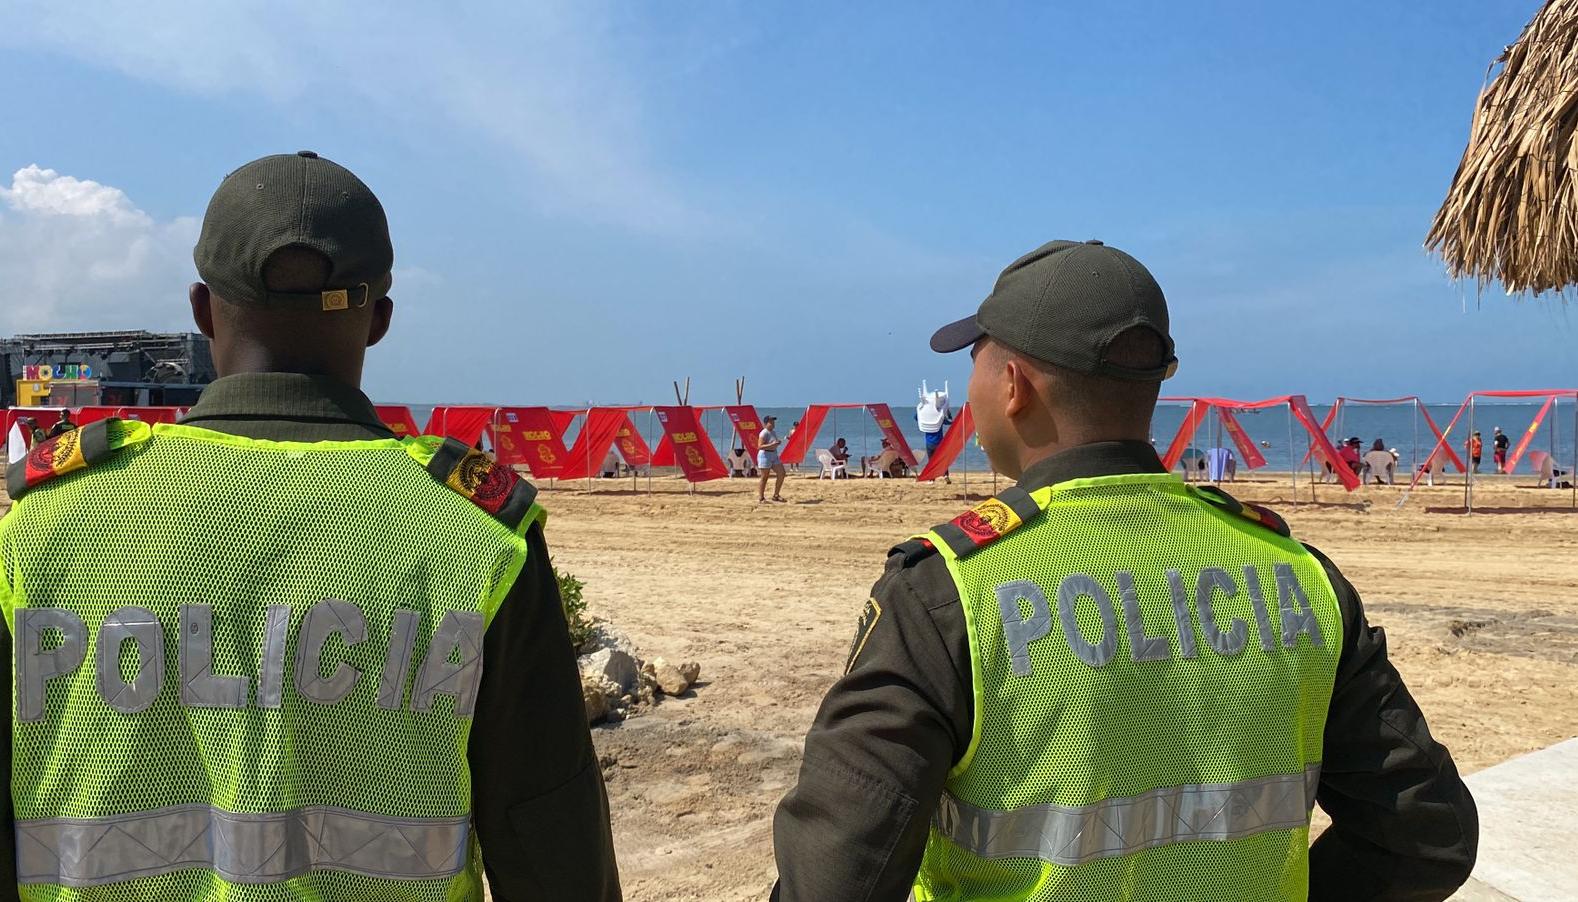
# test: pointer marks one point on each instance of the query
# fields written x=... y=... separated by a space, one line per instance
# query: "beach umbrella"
x=1511 y=215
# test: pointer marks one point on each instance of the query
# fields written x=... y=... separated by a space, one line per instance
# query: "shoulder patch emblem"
x=68 y=452
x=869 y=615
x=483 y=481
x=988 y=521
x=1263 y=517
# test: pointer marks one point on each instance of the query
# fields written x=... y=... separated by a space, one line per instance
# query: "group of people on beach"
x=1378 y=464
x=1500 y=444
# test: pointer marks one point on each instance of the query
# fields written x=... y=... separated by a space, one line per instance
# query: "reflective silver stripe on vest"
x=1074 y=835
x=242 y=848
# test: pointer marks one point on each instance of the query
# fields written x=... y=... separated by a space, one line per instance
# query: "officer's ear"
x=383 y=312
x=1020 y=389
x=202 y=308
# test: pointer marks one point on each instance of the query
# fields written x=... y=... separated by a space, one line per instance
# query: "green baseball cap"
x=1064 y=303
x=299 y=200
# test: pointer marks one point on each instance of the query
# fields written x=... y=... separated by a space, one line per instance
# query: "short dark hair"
x=1098 y=398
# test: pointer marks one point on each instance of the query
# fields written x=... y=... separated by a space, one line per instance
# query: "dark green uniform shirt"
x=1404 y=826
x=538 y=802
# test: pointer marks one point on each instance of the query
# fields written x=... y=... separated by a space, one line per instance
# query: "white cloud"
x=552 y=84
x=76 y=255
x=45 y=191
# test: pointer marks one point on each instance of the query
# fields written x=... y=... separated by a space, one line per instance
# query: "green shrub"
x=570 y=595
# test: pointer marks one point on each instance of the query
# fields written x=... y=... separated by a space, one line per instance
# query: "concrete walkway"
x=1528 y=828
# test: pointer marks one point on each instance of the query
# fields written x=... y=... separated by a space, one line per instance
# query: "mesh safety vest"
x=1152 y=671
x=246 y=670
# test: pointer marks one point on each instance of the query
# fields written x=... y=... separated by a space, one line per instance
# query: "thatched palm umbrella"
x=1511 y=215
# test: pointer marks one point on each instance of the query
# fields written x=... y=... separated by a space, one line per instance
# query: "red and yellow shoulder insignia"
x=68 y=452
x=1263 y=517
x=483 y=481
x=988 y=521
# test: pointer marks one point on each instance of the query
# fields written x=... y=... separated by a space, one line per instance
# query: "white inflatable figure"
x=932 y=411
x=16 y=445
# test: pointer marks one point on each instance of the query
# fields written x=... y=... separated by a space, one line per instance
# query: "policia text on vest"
x=1020 y=629
x=41 y=658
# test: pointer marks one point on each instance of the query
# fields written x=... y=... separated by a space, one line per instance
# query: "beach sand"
x=1481 y=611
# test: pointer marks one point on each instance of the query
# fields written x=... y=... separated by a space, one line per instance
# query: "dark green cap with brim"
x=295 y=200
x=1063 y=303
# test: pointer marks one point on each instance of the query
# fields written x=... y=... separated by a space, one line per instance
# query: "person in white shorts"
x=767 y=462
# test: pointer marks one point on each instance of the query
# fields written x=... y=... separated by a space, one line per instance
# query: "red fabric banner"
x=632 y=446
x=597 y=435
x=86 y=415
x=399 y=420
x=952 y=443
x=1441 y=443
x=1323 y=447
x=747 y=424
x=530 y=436
x=562 y=420
x=1528 y=435
x=1253 y=459
x=46 y=417
x=1191 y=423
x=693 y=451
x=890 y=430
x=465 y=424
x=1325 y=428
x=793 y=450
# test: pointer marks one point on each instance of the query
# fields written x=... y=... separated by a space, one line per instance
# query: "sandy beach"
x=1482 y=614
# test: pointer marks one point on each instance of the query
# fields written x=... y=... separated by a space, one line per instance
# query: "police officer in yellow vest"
x=1104 y=684
x=275 y=652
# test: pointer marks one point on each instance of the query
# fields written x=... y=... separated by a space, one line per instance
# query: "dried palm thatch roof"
x=1511 y=215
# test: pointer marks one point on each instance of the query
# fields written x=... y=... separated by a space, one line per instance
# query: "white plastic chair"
x=831 y=468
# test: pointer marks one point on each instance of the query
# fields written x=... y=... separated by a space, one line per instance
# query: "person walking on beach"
x=1502 y=443
x=767 y=460
x=1105 y=683
x=1476 y=450
x=274 y=651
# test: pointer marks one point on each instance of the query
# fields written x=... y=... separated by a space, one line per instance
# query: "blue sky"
x=591 y=200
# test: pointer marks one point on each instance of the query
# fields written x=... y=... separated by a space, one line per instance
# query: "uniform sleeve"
x=1404 y=826
x=539 y=804
x=8 y=888
x=880 y=749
